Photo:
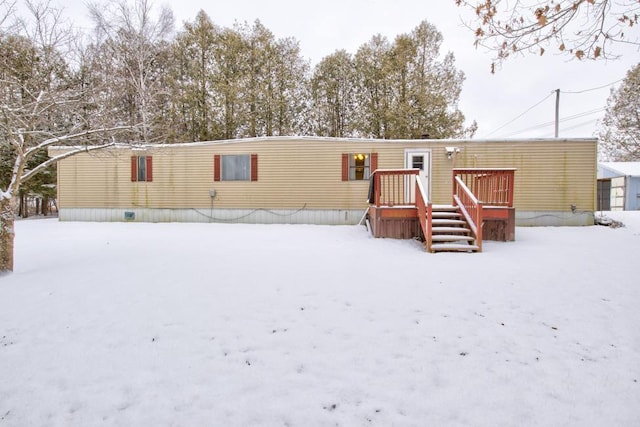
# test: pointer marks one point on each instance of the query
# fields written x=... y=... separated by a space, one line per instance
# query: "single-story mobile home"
x=314 y=179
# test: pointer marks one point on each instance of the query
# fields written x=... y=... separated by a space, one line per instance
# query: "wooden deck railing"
x=425 y=213
x=492 y=187
x=402 y=188
x=391 y=187
x=470 y=207
x=478 y=188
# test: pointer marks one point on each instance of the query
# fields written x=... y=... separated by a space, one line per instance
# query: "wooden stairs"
x=482 y=208
x=450 y=231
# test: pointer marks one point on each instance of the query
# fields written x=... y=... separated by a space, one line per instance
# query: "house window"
x=141 y=168
x=235 y=167
x=358 y=166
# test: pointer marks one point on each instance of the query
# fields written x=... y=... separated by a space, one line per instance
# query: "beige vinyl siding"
x=552 y=175
x=306 y=171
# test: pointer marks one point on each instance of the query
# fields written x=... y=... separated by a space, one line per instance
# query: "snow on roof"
x=623 y=168
x=268 y=139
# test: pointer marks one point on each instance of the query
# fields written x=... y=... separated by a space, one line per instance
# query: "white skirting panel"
x=247 y=216
x=551 y=218
x=283 y=216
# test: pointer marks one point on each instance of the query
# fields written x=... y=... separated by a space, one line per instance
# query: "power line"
x=550 y=123
x=563 y=119
x=592 y=89
x=534 y=127
x=579 y=125
x=586 y=113
x=525 y=112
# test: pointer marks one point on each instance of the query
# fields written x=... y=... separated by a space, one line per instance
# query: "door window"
x=417 y=162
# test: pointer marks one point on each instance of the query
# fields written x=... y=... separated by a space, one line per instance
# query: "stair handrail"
x=425 y=212
x=470 y=207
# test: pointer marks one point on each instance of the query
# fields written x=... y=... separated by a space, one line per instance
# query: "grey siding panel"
x=245 y=216
x=633 y=193
x=553 y=218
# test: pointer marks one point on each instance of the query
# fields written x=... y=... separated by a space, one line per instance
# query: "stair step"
x=442 y=221
x=453 y=247
x=450 y=230
x=451 y=238
x=444 y=214
x=446 y=208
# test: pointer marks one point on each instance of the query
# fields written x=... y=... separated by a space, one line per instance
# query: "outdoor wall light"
x=451 y=151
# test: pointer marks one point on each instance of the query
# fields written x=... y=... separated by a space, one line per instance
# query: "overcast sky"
x=494 y=101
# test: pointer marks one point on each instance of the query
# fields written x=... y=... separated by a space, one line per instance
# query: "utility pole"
x=557 y=112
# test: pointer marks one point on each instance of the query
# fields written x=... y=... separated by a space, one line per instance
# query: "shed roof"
x=622 y=168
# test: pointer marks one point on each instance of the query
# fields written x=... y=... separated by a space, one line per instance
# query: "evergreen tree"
x=193 y=95
x=333 y=95
x=435 y=88
x=290 y=90
x=273 y=85
x=231 y=69
x=373 y=91
x=406 y=91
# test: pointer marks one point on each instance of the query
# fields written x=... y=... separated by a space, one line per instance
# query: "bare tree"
x=582 y=29
x=7 y=9
x=620 y=130
x=38 y=109
x=133 y=43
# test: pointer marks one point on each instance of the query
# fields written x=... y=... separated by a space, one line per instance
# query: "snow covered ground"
x=122 y=324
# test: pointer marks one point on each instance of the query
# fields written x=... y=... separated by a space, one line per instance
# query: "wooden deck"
x=481 y=209
x=393 y=212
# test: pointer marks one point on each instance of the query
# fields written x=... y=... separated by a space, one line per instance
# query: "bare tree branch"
x=130 y=32
x=581 y=29
x=7 y=10
x=70 y=153
x=65 y=138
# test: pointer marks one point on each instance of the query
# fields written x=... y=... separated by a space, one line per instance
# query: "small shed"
x=619 y=186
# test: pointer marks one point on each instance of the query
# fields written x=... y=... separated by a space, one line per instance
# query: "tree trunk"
x=45 y=206
x=23 y=210
x=7 y=233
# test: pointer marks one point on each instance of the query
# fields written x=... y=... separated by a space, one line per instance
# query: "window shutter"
x=254 y=167
x=373 y=164
x=345 y=167
x=216 y=167
x=149 y=162
x=134 y=168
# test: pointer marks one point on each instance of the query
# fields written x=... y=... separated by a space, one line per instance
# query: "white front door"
x=420 y=160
